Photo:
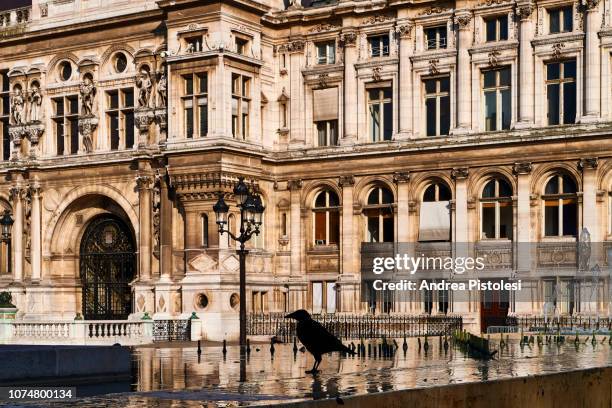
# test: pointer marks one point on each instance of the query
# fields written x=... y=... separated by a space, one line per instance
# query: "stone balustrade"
x=15 y=17
x=76 y=332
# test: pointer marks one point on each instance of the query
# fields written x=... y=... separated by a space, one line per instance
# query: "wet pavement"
x=176 y=377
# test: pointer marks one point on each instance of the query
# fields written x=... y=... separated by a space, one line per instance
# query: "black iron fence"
x=172 y=330
x=541 y=323
x=357 y=326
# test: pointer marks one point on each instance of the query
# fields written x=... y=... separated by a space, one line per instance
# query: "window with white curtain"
x=434 y=216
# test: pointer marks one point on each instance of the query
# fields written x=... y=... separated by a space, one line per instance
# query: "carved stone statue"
x=17 y=107
x=35 y=103
x=144 y=84
x=162 y=90
x=88 y=94
x=295 y=4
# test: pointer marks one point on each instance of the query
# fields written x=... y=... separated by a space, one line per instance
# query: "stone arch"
x=60 y=57
x=59 y=216
x=363 y=187
x=543 y=173
x=110 y=51
x=481 y=177
x=421 y=181
x=604 y=176
x=312 y=189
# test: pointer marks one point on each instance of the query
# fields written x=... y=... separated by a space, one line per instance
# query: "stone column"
x=461 y=211
x=348 y=43
x=403 y=230
x=592 y=75
x=526 y=72
x=523 y=217
x=144 y=184
x=590 y=220
x=295 y=230
x=463 y=102
x=35 y=232
x=348 y=233
x=17 y=194
x=405 y=80
x=296 y=93
x=165 y=230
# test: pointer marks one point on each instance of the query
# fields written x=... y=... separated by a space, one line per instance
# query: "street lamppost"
x=6 y=223
x=251 y=211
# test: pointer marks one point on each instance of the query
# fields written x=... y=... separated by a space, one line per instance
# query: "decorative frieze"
x=377 y=18
x=291 y=47
x=320 y=28
x=433 y=10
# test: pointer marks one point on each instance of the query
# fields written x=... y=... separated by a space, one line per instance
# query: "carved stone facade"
x=145 y=127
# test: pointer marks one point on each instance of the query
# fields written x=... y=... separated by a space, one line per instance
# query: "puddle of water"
x=176 y=377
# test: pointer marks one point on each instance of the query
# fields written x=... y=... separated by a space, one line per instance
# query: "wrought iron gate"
x=171 y=330
x=107 y=264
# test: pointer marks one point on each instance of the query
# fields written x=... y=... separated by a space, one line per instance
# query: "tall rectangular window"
x=380 y=108
x=204 y=230
x=241 y=102
x=435 y=37
x=120 y=118
x=66 y=124
x=437 y=106
x=561 y=92
x=195 y=105
x=497 y=28
x=497 y=99
x=4 y=115
x=242 y=45
x=379 y=45
x=325 y=115
x=194 y=44
x=560 y=20
x=326 y=53
x=327 y=133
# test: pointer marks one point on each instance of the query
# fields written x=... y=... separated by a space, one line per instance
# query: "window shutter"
x=325 y=104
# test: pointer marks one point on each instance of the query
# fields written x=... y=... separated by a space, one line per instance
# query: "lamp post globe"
x=241 y=191
x=6 y=222
x=221 y=209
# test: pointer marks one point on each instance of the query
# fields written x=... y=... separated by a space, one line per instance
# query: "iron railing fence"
x=172 y=330
x=357 y=326
x=554 y=323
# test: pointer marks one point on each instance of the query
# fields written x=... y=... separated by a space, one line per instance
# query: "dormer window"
x=194 y=44
x=326 y=53
x=435 y=37
x=379 y=45
x=497 y=28
x=241 y=45
x=560 y=20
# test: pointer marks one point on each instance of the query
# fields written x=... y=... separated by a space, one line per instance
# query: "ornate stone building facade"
x=359 y=122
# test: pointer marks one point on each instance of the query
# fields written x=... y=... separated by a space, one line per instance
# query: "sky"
x=11 y=4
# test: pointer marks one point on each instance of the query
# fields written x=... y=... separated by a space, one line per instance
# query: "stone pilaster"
x=526 y=61
x=351 y=53
x=348 y=231
x=35 y=233
x=144 y=185
x=17 y=194
x=403 y=230
x=295 y=227
x=592 y=53
x=522 y=170
x=590 y=220
x=463 y=24
x=406 y=48
x=165 y=231
x=460 y=176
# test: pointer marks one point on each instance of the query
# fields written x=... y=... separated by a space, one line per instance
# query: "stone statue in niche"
x=88 y=94
x=17 y=106
x=35 y=102
x=144 y=84
x=162 y=90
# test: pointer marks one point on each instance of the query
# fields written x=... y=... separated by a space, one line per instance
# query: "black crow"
x=316 y=338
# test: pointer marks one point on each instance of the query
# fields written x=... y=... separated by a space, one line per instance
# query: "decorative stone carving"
x=144 y=85
x=144 y=182
x=162 y=90
x=292 y=46
x=522 y=168
x=87 y=90
x=294 y=184
x=404 y=31
x=591 y=4
x=463 y=21
x=346 y=181
x=44 y=9
x=378 y=18
x=401 y=177
x=17 y=107
x=588 y=163
x=377 y=74
x=87 y=125
x=156 y=207
x=460 y=173
x=524 y=11
x=433 y=10
x=348 y=39
x=35 y=102
x=433 y=66
x=319 y=28
x=493 y=58
x=323 y=80
x=295 y=5
x=557 y=50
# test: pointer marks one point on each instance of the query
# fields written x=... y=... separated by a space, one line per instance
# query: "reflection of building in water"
x=378 y=126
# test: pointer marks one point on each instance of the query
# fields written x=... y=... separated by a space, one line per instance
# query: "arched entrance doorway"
x=107 y=266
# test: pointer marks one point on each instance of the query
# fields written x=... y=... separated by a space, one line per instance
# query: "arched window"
x=496 y=210
x=560 y=207
x=326 y=218
x=204 y=231
x=434 y=216
x=379 y=214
